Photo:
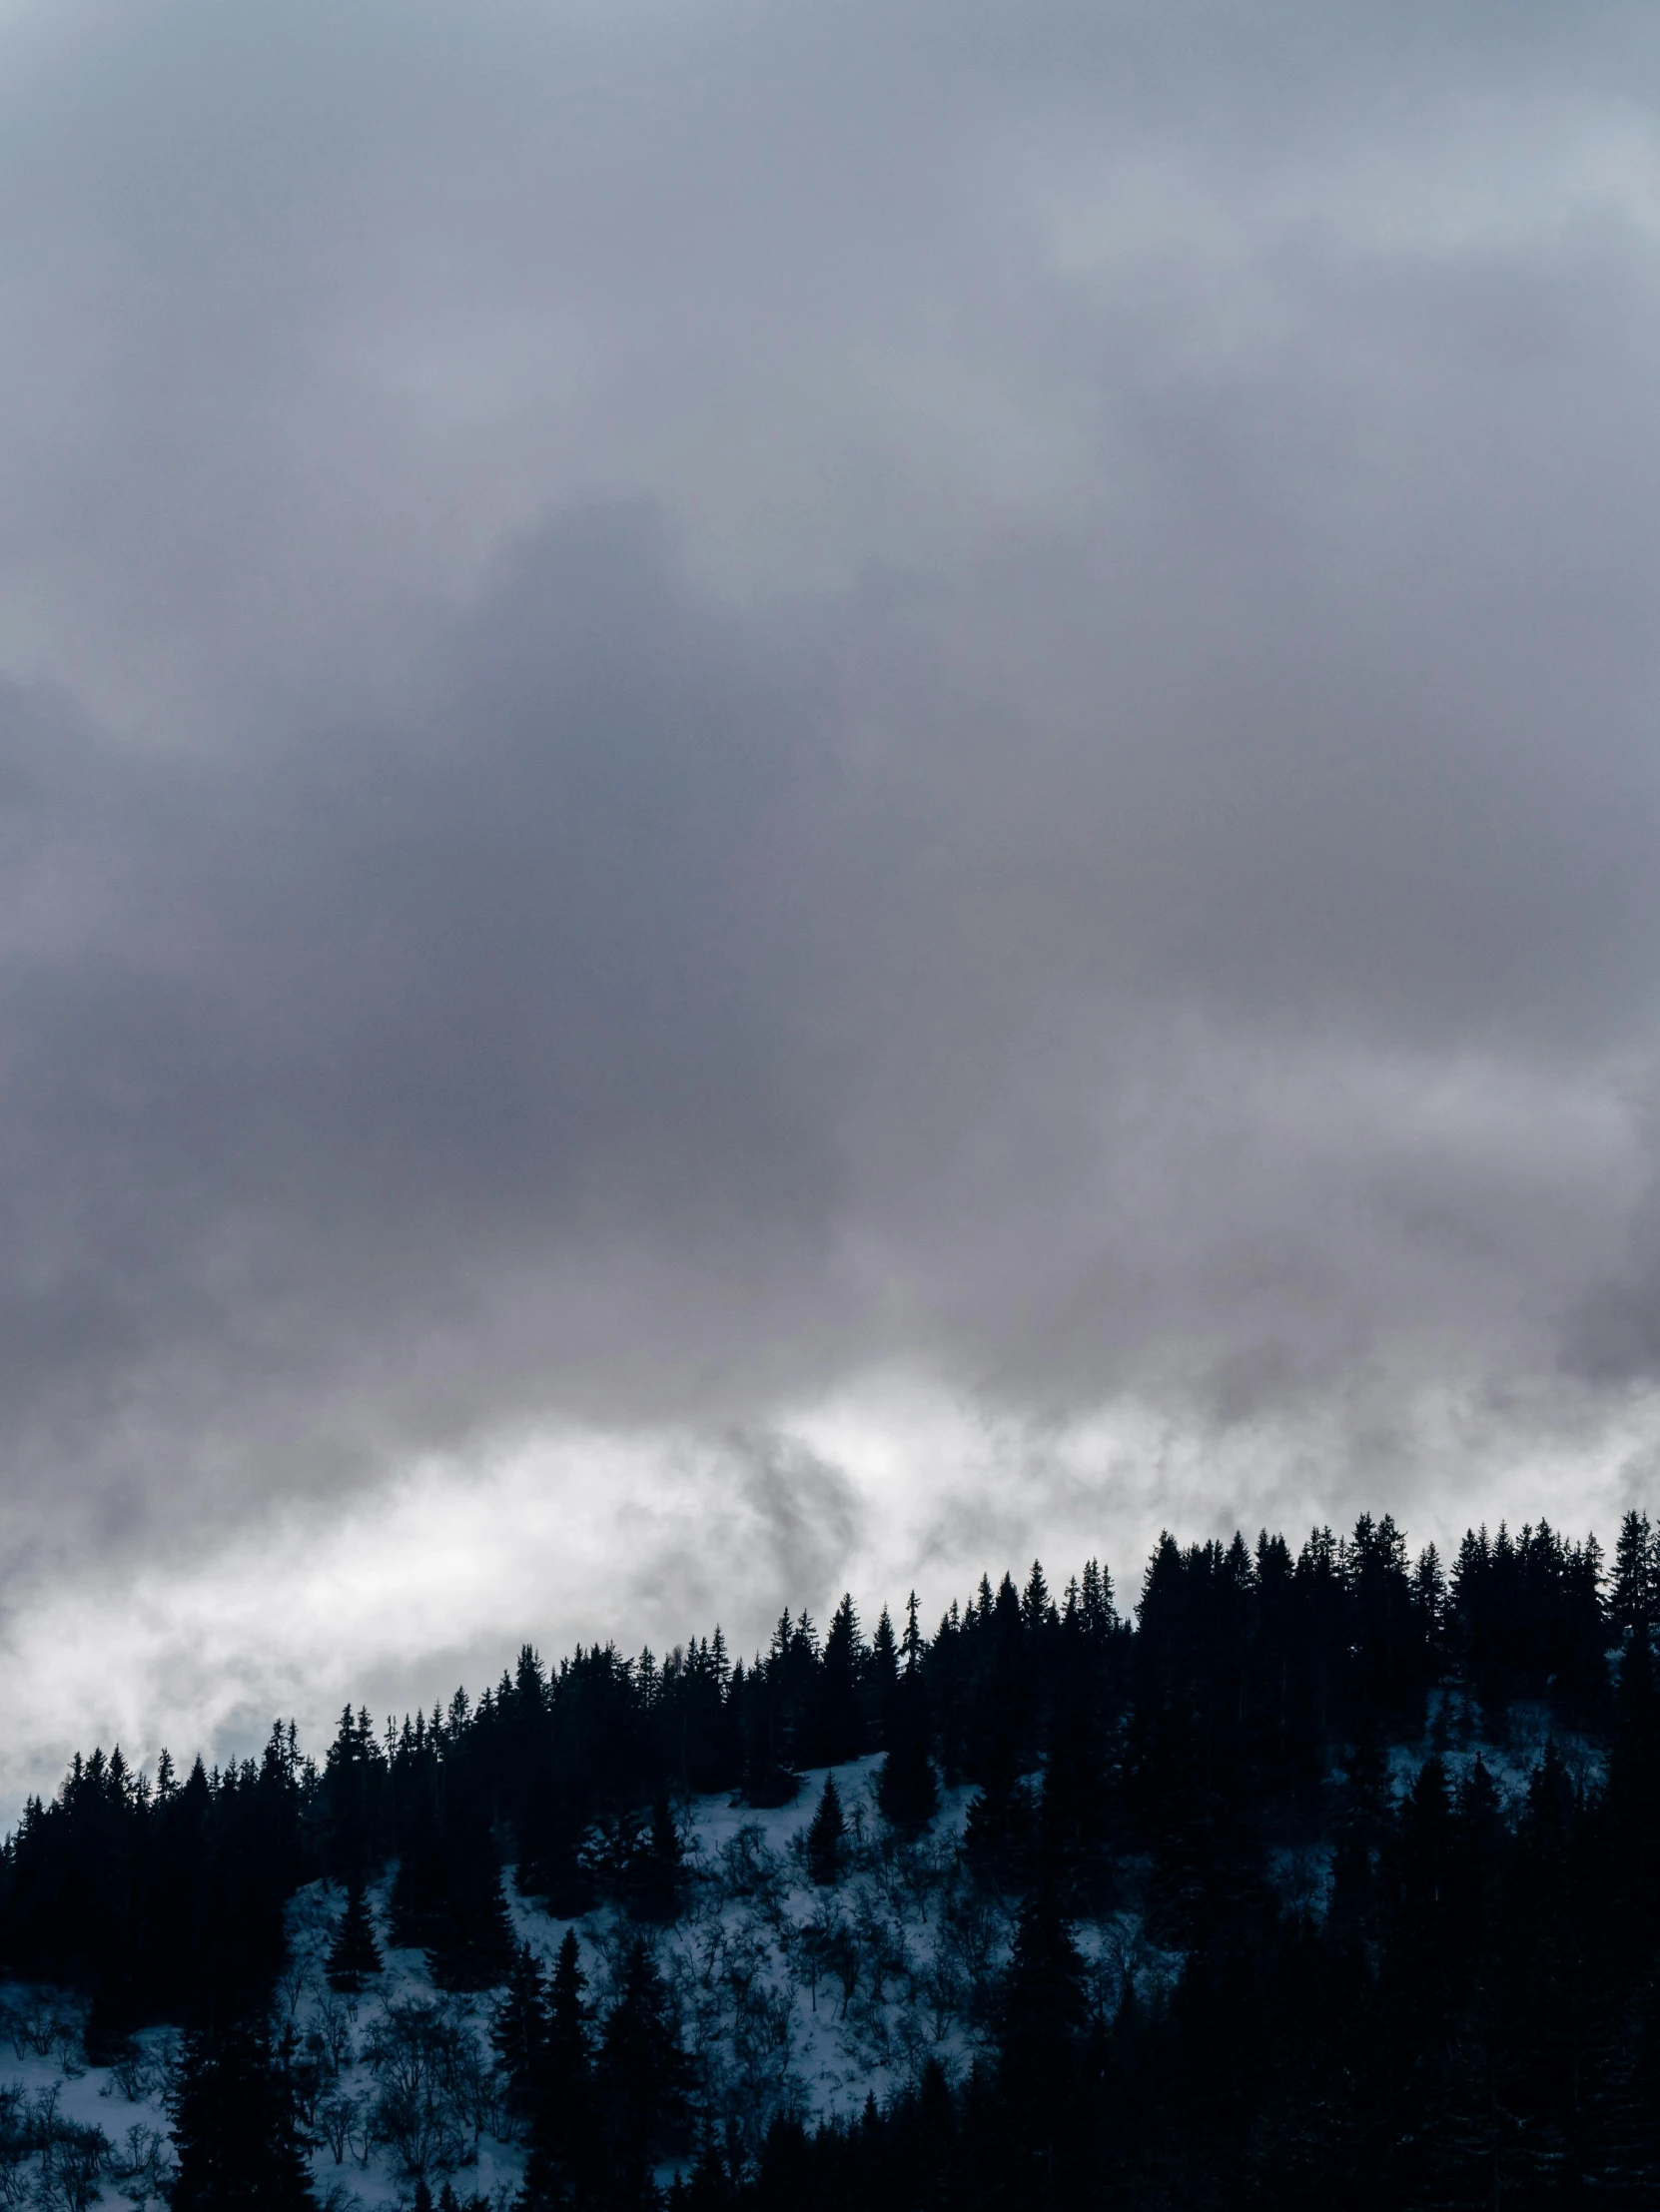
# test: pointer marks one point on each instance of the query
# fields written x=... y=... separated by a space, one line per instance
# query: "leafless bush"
x=421 y=2127
x=975 y=1929
x=68 y=2023
x=811 y=1944
x=137 y=2074
x=293 y=1984
x=436 y=2089
x=39 y=2114
x=141 y=2169
x=334 y=2024
x=15 y=2141
x=881 y=1939
x=747 y=1866
x=846 y=1963
x=72 y=2167
x=338 y=2116
x=72 y=2158
x=939 y=1997
x=31 y=2026
x=311 y=2073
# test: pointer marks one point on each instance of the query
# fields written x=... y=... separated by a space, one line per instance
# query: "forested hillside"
x=1326 y=1877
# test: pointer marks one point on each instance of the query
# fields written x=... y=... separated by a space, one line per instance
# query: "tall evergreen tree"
x=1632 y=1604
x=880 y=1679
x=470 y=1941
x=562 y=2168
x=1037 y=1608
x=235 y=2130
x=655 y=1872
x=997 y=1832
x=837 y=1729
x=353 y=1956
x=518 y=2033
x=906 y=1789
x=1040 y=2026
x=825 y=1833
x=644 y=2080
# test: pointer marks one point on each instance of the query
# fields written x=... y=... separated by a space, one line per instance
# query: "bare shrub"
x=436 y=2089
x=137 y=2074
x=141 y=2169
x=337 y=2119
x=71 y=2167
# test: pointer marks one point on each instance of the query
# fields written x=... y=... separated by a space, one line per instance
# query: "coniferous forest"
x=1312 y=1876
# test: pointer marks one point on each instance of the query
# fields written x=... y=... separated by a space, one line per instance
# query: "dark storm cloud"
x=702 y=700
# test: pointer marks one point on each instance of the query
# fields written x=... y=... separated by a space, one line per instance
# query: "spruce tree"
x=1632 y=1603
x=471 y=1946
x=837 y=1729
x=1037 y=1610
x=881 y=1680
x=1042 y=2019
x=644 y=2078
x=1095 y=1612
x=906 y=1790
x=353 y=1956
x=825 y=1833
x=419 y=1890
x=562 y=2165
x=997 y=1831
x=768 y=1777
x=656 y=1874
x=519 y=2032
x=235 y=2130
x=710 y=2188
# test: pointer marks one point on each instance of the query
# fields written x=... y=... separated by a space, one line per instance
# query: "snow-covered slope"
x=791 y=1996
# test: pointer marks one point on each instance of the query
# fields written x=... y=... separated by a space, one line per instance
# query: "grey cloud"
x=804 y=1507
x=618 y=1034
x=700 y=702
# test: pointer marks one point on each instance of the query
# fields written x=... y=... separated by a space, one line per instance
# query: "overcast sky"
x=805 y=793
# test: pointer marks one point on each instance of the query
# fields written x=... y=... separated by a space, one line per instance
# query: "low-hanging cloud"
x=702 y=711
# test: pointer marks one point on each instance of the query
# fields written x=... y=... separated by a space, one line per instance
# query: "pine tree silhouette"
x=996 y=1834
x=234 y=2131
x=837 y=1729
x=710 y=2187
x=655 y=1876
x=562 y=2165
x=472 y=1945
x=520 y=2031
x=825 y=1833
x=644 y=2076
x=353 y=1956
x=906 y=1790
x=1042 y=2020
x=1632 y=1603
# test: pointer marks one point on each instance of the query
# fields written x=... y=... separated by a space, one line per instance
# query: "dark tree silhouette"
x=825 y=1835
x=234 y=2131
x=353 y=1956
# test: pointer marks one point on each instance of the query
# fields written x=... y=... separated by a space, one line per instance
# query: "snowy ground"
x=53 y=2107
x=791 y=1996
x=1452 y=1734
